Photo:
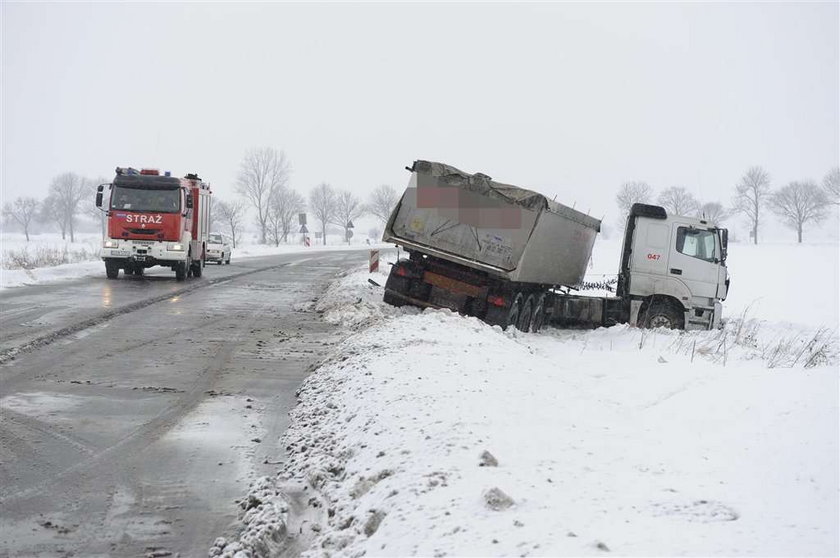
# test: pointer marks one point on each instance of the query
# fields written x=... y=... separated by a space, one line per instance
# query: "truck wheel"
x=538 y=320
x=392 y=299
x=180 y=271
x=138 y=271
x=112 y=270
x=227 y=261
x=662 y=314
x=197 y=268
x=526 y=315
x=513 y=312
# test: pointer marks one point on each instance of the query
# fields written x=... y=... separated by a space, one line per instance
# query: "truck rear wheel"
x=180 y=271
x=514 y=312
x=112 y=270
x=526 y=314
x=538 y=320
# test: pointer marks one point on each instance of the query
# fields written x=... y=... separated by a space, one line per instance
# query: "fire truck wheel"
x=112 y=270
x=227 y=261
x=181 y=271
x=196 y=268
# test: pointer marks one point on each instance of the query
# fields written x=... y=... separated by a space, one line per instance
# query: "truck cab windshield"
x=146 y=200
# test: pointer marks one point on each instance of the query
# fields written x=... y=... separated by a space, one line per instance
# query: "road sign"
x=349 y=234
x=301 y=218
x=303 y=229
x=349 y=225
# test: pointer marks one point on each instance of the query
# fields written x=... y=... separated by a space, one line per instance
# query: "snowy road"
x=135 y=412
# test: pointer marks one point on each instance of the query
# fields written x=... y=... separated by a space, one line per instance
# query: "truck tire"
x=663 y=314
x=514 y=312
x=112 y=269
x=526 y=314
x=180 y=271
x=392 y=299
x=538 y=320
x=197 y=268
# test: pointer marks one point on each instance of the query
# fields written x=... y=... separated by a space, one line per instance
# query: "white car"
x=218 y=249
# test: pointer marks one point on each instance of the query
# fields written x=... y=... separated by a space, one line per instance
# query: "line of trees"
x=263 y=186
x=60 y=209
x=796 y=204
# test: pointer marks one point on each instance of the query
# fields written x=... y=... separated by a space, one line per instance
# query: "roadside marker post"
x=374 y=261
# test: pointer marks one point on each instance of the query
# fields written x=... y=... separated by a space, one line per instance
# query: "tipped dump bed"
x=507 y=231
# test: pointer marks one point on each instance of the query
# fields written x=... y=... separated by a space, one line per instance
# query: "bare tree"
x=750 y=195
x=66 y=193
x=22 y=211
x=713 y=212
x=630 y=193
x=322 y=202
x=262 y=172
x=799 y=203
x=347 y=208
x=51 y=214
x=831 y=185
x=678 y=201
x=382 y=201
x=295 y=204
x=284 y=205
x=89 y=207
x=230 y=215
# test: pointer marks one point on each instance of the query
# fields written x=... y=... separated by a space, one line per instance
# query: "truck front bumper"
x=147 y=255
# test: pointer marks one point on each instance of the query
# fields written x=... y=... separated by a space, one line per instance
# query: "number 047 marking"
x=653 y=256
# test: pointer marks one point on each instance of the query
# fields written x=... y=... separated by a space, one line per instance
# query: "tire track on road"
x=12 y=353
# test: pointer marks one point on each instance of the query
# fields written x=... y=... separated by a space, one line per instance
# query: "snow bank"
x=608 y=439
x=428 y=433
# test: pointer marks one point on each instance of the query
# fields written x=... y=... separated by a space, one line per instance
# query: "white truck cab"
x=673 y=269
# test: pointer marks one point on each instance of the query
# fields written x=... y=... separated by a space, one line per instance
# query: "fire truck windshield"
x=146 y=200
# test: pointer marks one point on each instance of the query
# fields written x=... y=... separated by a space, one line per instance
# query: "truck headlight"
x=111 y=244
x=175 y=247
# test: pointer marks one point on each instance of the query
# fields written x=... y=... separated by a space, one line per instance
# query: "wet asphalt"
x=135 y=412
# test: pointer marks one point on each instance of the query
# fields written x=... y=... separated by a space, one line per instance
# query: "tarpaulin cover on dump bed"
x=504 y=230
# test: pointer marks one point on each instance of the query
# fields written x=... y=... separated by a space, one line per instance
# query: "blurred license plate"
x=119 y=252
x=139 y=258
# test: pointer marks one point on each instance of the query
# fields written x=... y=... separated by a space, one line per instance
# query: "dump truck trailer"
x=512 y=257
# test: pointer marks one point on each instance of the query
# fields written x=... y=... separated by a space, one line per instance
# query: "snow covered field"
x=427 y=433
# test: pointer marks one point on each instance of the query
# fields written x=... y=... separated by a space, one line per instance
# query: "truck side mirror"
x=99 y=195
x=724 y=243
x=189 y=201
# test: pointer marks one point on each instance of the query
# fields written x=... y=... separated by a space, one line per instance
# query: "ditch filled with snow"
x=429 y=433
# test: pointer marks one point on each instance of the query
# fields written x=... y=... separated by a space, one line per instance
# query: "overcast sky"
x=568 y=99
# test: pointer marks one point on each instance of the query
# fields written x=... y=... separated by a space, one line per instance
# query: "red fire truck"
x=155 y=219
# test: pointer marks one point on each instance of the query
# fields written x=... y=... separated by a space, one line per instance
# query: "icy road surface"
x=135 y=412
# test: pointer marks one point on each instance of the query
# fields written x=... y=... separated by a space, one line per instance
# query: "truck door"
x=694 y=259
